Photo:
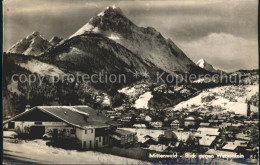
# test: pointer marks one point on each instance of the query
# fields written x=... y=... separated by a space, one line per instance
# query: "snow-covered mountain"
x=205 y=65
x=55 y=40
x=146 y=43
x=110 y=42
x=34 y=44
x=94 y=53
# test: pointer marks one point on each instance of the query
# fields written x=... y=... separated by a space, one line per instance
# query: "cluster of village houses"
x=197 y=132
x=181 y=131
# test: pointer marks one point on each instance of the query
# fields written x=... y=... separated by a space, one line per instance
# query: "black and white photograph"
x=135 y=82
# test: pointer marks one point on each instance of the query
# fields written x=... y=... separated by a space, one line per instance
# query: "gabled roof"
x=207 y=140
x=158 y=148
x=139 y=125
x=204 y=124
x=175 y=122
x=233 y=145
x=182 y=136
x=148 y=136
x=72 y=115
x=202 y=131
x=189 y=118
x=122 y=132
x=230 y=146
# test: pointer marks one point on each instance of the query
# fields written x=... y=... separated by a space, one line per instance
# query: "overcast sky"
x=224 y=33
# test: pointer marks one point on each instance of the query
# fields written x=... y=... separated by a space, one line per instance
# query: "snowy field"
x=222 y=96
x=41 y=68
x=38 y=151
x=142 y=101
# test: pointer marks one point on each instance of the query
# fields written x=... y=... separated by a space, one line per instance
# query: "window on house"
x=100 y=139
x=104 y=140
x=90 y=144
x=72 y=131
x=91 y=130
x=11 y=125
x=86 y=131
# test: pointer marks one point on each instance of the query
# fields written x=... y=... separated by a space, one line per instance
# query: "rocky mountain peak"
x=33 y=44
x=113 y=10
x=146 y=42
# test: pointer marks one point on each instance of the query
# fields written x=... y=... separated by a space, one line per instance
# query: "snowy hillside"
x=142 y=101
x=41 y=68
x=135 y=90
x=227 y=98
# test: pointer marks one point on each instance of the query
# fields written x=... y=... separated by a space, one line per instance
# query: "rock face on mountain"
x=146 y=43
x=34 y=44
x=55 y=40
x=93 y=53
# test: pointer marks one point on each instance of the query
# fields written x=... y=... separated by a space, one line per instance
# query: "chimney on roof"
x=85 y=117
x=27 y=107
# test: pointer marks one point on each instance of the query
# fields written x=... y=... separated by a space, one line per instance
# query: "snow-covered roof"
x=189 y=118
x=175 y=122
x=122 y=132
x=207 y=140
x=234 y=145
x=230 y=146
x=72 y=115
x=159 y=148
x=139 y=125
x=204 y=124
x=182 y=136
x=243 y=136
x=202 y=131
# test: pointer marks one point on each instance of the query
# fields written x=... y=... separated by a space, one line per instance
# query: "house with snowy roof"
x=190 y=121
x=147 y=140
x=175 y=124
x=176 y=136
x=235 y=145
x=157 y=124
x=158 y=148
x=122 y=138
x=207 y=142
x=204 y=124
x=89 y=126
x=208 y=131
